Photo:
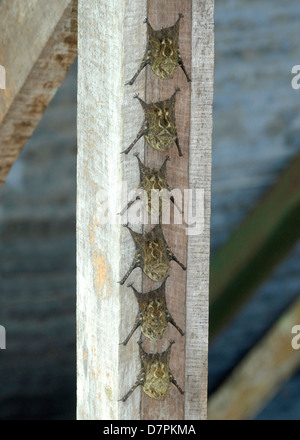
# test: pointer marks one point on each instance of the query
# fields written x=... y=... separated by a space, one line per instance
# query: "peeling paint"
x=108 y=392
x=101 y=274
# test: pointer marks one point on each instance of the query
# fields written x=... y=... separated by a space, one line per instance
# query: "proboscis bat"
x=151 y=179
x=162 y=53
x=155 y=376
x=159 y=126
x=153 y=315
x=152 y=254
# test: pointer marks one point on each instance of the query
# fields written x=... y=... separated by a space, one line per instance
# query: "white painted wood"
x=112 y=38
x=200 y=177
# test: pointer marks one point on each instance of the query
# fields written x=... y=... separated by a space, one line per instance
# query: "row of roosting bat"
x=152 y=253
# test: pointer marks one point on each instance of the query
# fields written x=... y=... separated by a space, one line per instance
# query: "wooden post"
x=112 y=42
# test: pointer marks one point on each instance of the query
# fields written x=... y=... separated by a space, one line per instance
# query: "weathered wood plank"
x=248 y=257
x=38 y=45
x=112 y=36
x=200 y=179
x=161 y=15
x=259 y=375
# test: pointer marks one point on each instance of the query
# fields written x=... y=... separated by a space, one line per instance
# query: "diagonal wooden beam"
x=255 y=248
x=259 y=375
x=38 y=45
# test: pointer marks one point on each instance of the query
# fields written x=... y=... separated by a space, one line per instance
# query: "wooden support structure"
x=255 y=248
x=260 y=374
x=112 y=42
x=40 y=46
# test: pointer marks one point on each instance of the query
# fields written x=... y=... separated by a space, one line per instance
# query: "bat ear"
x=164 y=282
x=164 y=165
x=173 y=97
x=133 y=233
x=136 y=96
x=141 y=165
x=150 y=29
x=137 y=294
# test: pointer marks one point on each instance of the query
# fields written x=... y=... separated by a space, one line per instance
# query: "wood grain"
x=199 y=177
x=111 y=37
x=38 y=45
x=160 y=16
x=112 y=42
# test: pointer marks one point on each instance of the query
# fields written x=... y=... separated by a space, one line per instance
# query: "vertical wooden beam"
x=199 y=177
x=112 y=42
